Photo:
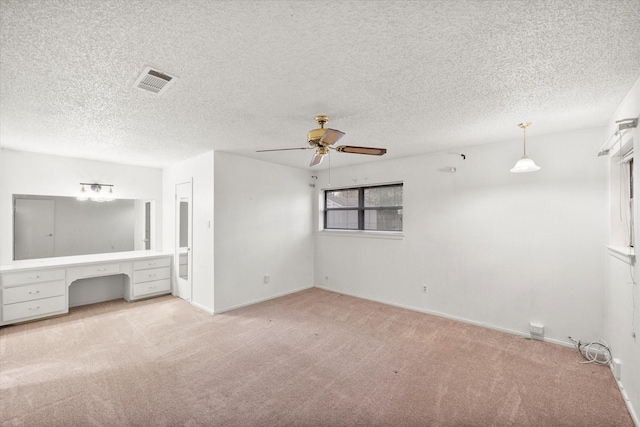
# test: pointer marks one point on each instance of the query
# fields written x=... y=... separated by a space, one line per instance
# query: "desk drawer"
x=148 y=288
x=152 y=263
x=101 y=270
x=36 y=308
x=13 y=279
x=32 y=292
x=151 y=274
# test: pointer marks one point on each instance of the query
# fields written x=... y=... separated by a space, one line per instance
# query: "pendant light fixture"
x=525 y=164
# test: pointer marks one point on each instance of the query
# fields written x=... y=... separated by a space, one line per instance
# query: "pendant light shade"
x=525 y=164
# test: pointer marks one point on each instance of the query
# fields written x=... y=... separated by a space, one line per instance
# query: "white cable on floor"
x=595 y=352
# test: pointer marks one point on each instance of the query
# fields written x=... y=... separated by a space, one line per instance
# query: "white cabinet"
x=32 y=295
x=101 y=270
x=22 y=293
x=151 y=277
x=32 y=276
x=33 y=289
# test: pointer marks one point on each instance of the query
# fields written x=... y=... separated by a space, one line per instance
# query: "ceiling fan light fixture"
x=322 y=139
x=525 y=164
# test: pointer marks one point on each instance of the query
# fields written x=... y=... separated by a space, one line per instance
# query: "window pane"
x=342 y=199
x=383 y=219
x=343 y=219
x=383 y=196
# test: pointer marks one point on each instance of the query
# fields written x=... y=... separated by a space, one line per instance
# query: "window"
x=622 y=189
x=376 y=208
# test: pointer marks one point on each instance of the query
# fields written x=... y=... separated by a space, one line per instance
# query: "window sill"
x=393 y=235
x=623 y=253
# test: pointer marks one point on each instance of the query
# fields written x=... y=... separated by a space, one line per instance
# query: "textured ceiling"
x=414 y=77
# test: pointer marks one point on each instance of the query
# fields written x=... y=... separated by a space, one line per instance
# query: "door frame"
x=184 y=288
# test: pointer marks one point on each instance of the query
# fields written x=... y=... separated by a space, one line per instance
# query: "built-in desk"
x=33 y=289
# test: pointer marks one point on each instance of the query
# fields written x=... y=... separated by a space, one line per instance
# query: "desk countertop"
x=69 y=261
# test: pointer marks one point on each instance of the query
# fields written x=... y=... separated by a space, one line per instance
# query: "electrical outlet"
x=616 y=367
x=536 y=329
x=424 y=289
x=267 y=278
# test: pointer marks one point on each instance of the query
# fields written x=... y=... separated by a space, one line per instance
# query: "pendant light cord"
x=524 y=126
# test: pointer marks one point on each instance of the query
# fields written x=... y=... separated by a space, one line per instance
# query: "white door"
x=34 y=225
x=183 y=253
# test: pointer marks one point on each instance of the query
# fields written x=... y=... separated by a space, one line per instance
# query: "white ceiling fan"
x=322 y=139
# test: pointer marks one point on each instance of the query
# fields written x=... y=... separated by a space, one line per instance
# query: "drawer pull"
x=34 y=277
x=34 y=308
x=152 y=287
x=101 y=269
x=152 y=274
x=152 y=263
x=33 y=293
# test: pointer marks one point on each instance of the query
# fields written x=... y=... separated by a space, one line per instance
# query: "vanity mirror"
x=53 y=226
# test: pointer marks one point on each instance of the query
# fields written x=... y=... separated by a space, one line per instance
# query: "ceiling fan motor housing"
x=313 y=136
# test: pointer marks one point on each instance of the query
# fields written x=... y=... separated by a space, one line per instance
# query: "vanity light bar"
x=95 y=194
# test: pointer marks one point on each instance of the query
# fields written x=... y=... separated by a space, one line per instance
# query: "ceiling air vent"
x=154 y=81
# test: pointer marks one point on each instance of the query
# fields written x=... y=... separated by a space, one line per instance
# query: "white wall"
x=200 y=170
x=41 y=174
x=264 y=226
x=494 y=248
x=622 y=302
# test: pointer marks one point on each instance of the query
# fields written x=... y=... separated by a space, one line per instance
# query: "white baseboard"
x=448 y=316
x=223 y=310
x=201 y=307
x=627 y=401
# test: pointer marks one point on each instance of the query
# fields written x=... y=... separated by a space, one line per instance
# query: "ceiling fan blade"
x=316 y=159
x=284 y=149
x=331 y=136
x=361 y=150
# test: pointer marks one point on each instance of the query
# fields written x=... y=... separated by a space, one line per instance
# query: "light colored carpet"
x=314 y=358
